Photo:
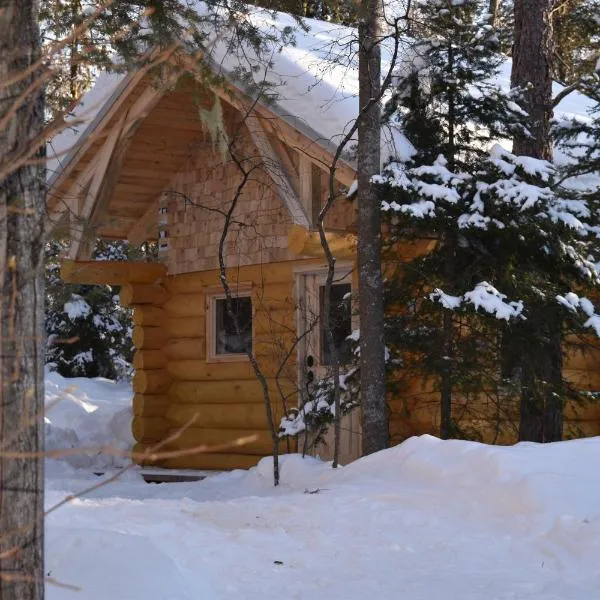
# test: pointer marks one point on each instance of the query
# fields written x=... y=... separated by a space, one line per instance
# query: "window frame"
x=212 y=297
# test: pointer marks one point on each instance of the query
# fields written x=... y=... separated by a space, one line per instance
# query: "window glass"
x=230 y=340
x=340 y=321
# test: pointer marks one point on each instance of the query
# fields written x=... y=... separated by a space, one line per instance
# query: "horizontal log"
x=149 y=359
x=182 y=349
x=110 y=272
x=582 y=411
x=275 y=321
x=305 y=242
x=186 y=305
x=149 y=429
x=273 y=346
x=185 y=327
x=138 y=450
x=226 y=416
x=210 y=461
x=405 y=251
x=218 y=392
x=140 y=293
x=152 y=338
x=150 y=405
x=195 y=436
x=583 y=379
x=582 y=360
x=577 y=429
x=403 y=429
x=269 y=296
x=200 y=370
x=148 y=315
x=188 y=283
x=151 y=382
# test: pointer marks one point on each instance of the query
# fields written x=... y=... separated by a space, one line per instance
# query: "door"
x=315 y=356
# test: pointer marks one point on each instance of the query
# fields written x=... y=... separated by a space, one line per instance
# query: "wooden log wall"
x=181 y=393
x=415 y=405
x=151 y=380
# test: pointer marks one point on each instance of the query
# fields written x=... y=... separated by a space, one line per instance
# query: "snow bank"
x=426 y=520
x=84 y=413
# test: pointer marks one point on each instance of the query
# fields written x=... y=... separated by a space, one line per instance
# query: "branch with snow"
x=574 y=303
x=484 y=296
x=319 y=411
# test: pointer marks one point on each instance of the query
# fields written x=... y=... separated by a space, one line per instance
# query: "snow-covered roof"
x=315 y=81
x=83 y=118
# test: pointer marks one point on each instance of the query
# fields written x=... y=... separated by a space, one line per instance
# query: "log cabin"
x=147 y=162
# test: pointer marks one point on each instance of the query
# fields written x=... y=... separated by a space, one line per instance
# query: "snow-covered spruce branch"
x=320 y=409
x=485 y=296
x=576 y=304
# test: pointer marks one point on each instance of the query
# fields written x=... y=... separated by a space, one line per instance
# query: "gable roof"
x=315 y=81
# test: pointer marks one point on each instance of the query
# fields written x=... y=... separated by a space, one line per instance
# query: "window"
x=340 y=321
x=228 y=338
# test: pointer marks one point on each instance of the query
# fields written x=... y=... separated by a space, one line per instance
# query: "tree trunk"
x=22 y=209
x=541 y=394
x=494 y=9
x=372 y=346
x=532 y=69
x=541 y=409
x=446 y=425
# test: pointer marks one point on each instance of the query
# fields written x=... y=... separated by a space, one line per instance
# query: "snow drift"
x=86 y=413
x=426 y=520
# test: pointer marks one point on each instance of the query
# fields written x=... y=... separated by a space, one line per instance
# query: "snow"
x=446 y=300
x=575 y=303
x=78 y=120
x=77 y=308
x=88 y=413
x=425 y=520
x=485 y=296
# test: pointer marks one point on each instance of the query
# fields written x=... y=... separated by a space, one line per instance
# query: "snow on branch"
x=319 y=411
x=575 y=304
x=484 y=296
x=77 y=308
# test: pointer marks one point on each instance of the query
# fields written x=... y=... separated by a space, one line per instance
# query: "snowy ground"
x=422 y=521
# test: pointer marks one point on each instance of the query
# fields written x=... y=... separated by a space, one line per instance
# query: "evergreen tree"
x=335 y=11
x=576 y=44
x=576 y=40
x=450 y=109
x=579 y=140
x=89 y=333
x=508 y=239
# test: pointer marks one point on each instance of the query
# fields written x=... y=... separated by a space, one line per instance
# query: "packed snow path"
x=425 y=520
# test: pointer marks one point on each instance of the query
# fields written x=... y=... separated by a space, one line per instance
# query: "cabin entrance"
x=316 y=354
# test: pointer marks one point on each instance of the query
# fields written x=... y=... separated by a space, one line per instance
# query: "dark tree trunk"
x=446 y=425
x=532 y=69
x=542 y=385
x=375 y=428
x=22 y=208
x=541 y=407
